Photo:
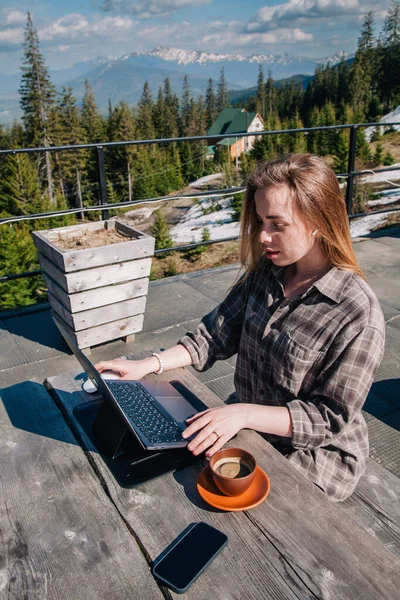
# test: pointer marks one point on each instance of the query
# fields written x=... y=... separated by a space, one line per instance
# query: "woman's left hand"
x=215 y=427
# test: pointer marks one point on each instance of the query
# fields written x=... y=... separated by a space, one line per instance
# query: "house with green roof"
x=236 y=120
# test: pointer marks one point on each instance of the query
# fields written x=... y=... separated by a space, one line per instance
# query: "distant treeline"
x=32 y=183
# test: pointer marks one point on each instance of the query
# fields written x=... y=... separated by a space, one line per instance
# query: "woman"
x=307 y=329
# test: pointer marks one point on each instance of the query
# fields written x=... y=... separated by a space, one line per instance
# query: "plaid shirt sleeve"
x=217 y=336
x=341 y=389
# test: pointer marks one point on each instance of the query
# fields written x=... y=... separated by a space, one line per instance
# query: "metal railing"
x=104 y=206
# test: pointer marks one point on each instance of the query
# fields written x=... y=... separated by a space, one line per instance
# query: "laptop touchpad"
x=172 y=401
x=178 y=407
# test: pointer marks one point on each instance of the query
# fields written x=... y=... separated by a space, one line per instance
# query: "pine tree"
x=270 y=96
x=160 y=231
x=91 y=120
x=388 y=159
x=261 y=96
x=17 y=254
x=185 y=107
x=343 y=81
x=222 y=93
x=377 y=158
x=95 y=131
x=313 y=138
x=298 y=140
x=211 y=104
x=159 y=115
x=145 y=127
x=363 y=67
x=70 y=132
x=37 y=98
x=390 y=62
x=341 y=152
x=121 y=158
x=19 y=186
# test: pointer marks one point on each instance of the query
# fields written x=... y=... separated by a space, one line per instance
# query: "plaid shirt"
x=316 y=353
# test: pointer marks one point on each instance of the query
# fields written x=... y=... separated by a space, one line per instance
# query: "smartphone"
x=180 y=564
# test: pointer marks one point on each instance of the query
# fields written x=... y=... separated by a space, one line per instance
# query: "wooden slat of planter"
x=106 y=255
x=98 y=297
x=109 y=331
x=44 y=240
x=297 y=544
x=138 y=246
x=61 y=536
x=99 y=316
x=98 y=277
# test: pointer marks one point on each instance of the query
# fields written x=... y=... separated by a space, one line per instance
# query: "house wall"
x=239 y=147
x=256 y=125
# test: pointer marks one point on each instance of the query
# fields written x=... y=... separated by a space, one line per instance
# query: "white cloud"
x=11 y=37
x=11 y=32
x=15 y=17
x=147 y=9
x=77 y=27
x=308 y=12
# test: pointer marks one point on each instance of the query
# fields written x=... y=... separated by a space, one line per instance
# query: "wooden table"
x=69 y=531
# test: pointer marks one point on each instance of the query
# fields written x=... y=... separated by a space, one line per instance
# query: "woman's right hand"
x=128 y=369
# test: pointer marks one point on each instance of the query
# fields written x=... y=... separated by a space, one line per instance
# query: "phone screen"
x=191 y=554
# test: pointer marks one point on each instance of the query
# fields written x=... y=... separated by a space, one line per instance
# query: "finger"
x=196 y=426
x=215 y=447
x=205 y=433
x=107 y=366
x=197 y=415
x=207 y=443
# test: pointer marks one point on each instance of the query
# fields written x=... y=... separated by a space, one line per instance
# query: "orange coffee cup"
x=233 y=470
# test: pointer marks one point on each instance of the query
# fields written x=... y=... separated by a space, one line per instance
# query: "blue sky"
x=82 y=29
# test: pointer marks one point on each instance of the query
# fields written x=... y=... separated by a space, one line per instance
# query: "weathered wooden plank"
x=80 y=281
x=99 y=316
x=98 y=297
x=48 y=249
x=138 y=246
x=106 y=255
x=376 y=505
x=61 y=535
x=298 y=543
x=103 y=333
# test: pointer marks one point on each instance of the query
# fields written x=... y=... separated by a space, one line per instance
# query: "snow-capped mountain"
x=186 y=57
x=123 y=78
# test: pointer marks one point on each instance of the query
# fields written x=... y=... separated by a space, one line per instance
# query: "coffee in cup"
x=233 y=470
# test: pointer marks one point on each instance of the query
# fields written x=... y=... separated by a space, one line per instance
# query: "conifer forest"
x=359 y=90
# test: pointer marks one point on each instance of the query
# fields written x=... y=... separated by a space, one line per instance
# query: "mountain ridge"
x=123 y=78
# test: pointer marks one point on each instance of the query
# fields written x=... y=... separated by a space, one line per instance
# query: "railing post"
x=102 y=181
x=350 y=167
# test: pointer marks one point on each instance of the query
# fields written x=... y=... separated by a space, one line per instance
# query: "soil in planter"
x=90 y=239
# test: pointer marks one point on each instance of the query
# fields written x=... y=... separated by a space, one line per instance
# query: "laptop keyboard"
x=138 y=405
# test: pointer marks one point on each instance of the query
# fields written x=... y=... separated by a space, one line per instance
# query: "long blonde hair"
x=318 y=199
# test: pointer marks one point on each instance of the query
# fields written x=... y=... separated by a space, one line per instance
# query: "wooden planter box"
x=99 y=293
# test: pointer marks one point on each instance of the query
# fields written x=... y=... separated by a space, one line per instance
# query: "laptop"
x=155 y=413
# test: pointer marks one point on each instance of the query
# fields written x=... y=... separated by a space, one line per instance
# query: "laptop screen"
x=85 y=363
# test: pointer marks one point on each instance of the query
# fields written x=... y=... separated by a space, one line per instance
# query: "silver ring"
x=215 y=433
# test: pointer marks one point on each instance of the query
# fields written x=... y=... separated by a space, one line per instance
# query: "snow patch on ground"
x=219 y=223
x=379 y=177
x=388 y=197
x=205 y=180
x=392 y=117
x=364 y=225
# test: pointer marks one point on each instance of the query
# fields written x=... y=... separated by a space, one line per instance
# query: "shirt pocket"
x=294 y=367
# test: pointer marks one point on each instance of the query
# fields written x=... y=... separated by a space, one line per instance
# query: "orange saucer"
x=256 y=493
